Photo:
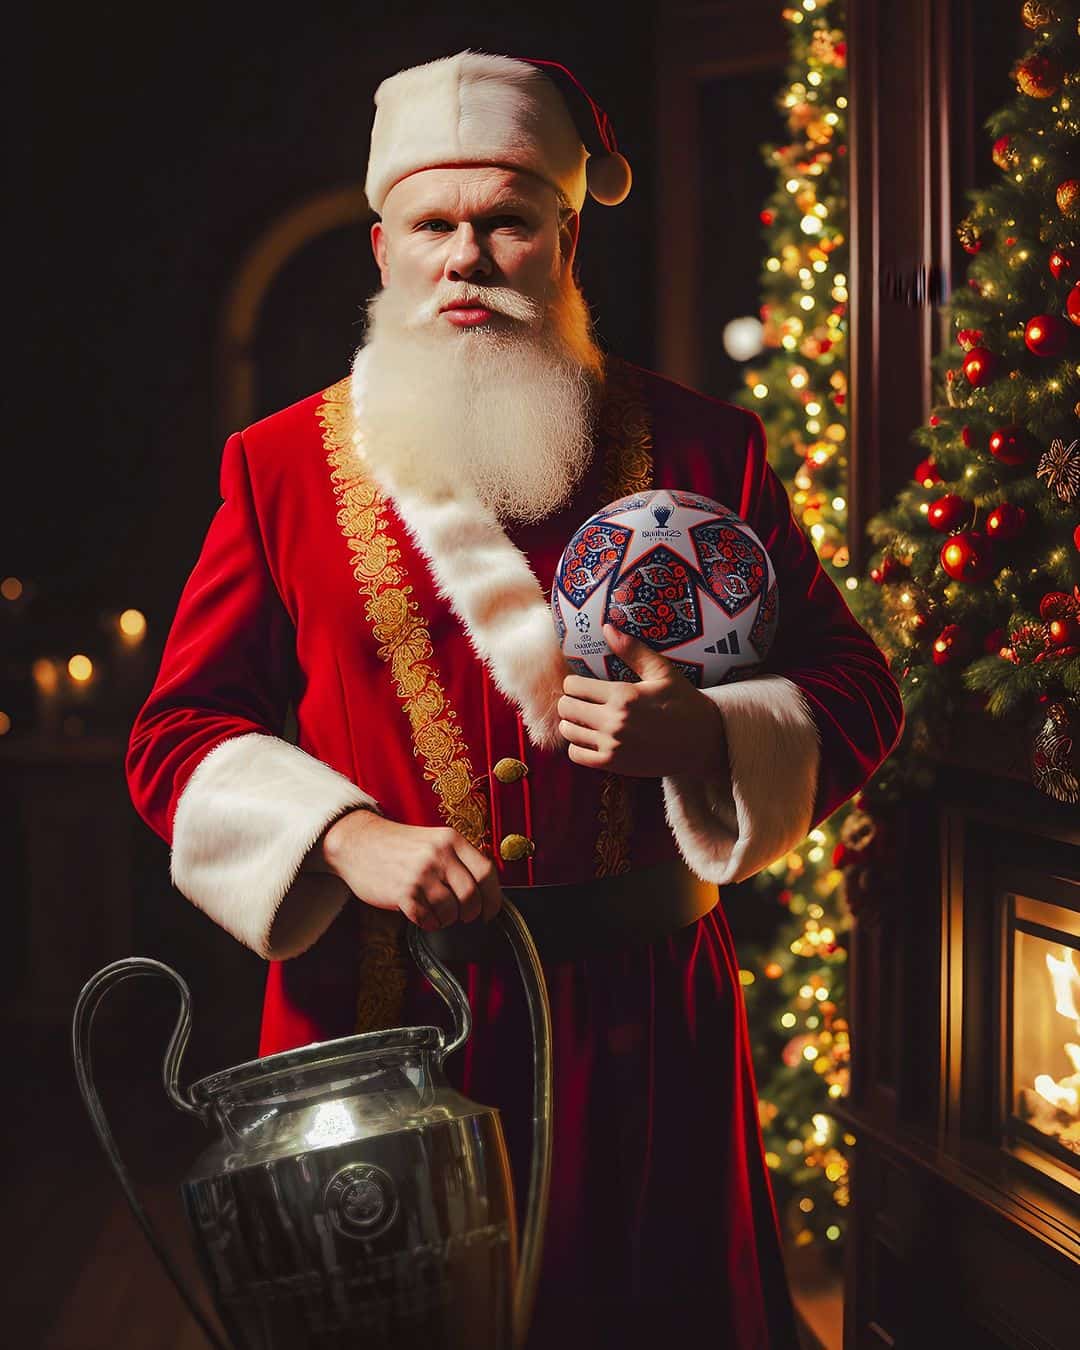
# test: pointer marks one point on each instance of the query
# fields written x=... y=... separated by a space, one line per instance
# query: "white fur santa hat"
x=475 y=108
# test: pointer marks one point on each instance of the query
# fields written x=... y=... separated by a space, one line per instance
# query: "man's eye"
x=439 y=225
x=506 y=222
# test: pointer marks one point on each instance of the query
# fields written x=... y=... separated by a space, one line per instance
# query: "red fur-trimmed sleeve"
x=806 y=732
x=207 y=766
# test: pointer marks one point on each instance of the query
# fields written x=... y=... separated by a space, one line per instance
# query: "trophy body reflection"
x=352 y=1197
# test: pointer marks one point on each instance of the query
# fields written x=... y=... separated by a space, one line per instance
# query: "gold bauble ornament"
x=1067 y=195
x=1038 y=76
x=1035 y=15
x=969 y=235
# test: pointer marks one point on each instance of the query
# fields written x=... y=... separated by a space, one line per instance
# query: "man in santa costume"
x=380 y=565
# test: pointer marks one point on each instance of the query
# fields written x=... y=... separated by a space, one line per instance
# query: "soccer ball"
x=680 y=572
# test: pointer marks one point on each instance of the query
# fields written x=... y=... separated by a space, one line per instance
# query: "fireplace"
x=965 y=1102
x=1042 y=1037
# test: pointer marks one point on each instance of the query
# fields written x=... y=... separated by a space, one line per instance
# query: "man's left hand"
x=657 y=727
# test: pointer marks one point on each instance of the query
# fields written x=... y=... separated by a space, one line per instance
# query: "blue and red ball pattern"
x=678 y=571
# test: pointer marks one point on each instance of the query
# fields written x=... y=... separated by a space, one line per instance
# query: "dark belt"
x=571 y=921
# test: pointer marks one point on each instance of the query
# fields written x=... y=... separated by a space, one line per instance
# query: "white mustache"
x=499 y=299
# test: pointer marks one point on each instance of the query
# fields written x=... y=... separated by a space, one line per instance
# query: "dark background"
x=148 y=155
x=152 y=153
x=149 y=150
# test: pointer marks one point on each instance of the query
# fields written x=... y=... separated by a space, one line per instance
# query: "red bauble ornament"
x=1011 y=445
x=1076 y=539
x=969 y=337
x=949 y=645
x=1063 y=632
x=968 y=556
x=1061 y=262
x=766 y=217
x=1060 y=612
x=1056 y=605
x=1046 y=334
x=949 y=513
x=980 y=366
x=1072 y=303
x=926 y=472
x=967 y=437
x=1004 y=153
x=1006 y=521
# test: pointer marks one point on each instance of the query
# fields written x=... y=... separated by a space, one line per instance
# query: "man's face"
x=474 y=229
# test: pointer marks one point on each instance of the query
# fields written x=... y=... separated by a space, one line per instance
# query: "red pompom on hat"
x=476 y=108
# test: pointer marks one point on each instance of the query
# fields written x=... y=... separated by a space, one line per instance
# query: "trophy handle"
x=82 y=1025
x=532 y=977
x=448 y=989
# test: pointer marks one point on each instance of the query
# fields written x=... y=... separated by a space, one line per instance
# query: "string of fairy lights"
x=796 y=991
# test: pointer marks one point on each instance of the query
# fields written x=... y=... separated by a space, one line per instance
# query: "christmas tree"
x=973 y=589
x=795 y=990
x=975 y=592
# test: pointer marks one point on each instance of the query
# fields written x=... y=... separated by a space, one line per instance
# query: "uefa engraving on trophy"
x=361 y=1200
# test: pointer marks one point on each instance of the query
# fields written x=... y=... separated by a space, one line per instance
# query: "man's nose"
x=467 y=258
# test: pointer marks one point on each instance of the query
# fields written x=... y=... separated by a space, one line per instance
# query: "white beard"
x=505 y=408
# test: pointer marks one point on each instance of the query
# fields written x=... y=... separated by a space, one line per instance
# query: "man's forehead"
x=473 y=187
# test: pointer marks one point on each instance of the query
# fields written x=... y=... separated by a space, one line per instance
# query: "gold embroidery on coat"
x=628 y=467
x=405 y=644
x=627 y=430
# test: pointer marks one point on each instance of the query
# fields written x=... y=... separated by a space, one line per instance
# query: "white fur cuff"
x=731 y=825
x=244 y=823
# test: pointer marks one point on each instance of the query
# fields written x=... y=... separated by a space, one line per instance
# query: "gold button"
x=510 y=770
x=514 y=847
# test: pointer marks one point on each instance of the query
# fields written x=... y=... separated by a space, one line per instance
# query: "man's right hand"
x=432 y=874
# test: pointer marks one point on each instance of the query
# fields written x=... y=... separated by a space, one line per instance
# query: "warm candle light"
x=11 y=588
x=80 y=668
x=46 y=676
x=133 y=625
x=5 y=724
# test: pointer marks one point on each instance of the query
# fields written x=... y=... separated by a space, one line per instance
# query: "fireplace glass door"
x=1043 y=1037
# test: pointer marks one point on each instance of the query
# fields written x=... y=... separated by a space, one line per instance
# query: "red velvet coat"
x=414 y=645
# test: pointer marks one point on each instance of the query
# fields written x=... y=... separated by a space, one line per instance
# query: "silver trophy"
x=352 y=1197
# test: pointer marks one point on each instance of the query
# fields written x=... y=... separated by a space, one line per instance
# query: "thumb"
x=640 y=657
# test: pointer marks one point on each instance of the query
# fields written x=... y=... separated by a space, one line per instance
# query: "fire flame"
x=1061 y=1095
x=1064 y=1095
x=1066 y=981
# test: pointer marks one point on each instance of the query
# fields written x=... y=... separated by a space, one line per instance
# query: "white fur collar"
x=488 y=583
